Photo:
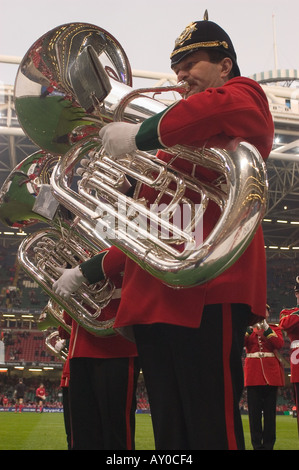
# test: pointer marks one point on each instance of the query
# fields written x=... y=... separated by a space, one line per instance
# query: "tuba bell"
x=23 y=188
x=69 y=83
x=74 y=76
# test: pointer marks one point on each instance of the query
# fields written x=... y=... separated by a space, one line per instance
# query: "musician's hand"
x=118 y=138
x=69 y=282
x=59 y=345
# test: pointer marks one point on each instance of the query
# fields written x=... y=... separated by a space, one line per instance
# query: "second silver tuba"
x=42 y=253
x=26 y=200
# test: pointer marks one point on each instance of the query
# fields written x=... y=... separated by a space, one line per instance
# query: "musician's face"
x=197 y=70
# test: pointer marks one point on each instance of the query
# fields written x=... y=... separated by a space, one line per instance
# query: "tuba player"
x=190 y=341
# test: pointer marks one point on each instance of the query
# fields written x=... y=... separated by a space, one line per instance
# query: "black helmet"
x=201 y=35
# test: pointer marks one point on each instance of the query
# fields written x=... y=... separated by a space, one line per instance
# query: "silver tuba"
x=26 y=200
x=73 y=76
x=150 y=234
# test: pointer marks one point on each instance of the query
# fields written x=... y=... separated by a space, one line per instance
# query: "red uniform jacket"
x=237 y=110
x=65 y=376
x=289 y=321
x=262 y=367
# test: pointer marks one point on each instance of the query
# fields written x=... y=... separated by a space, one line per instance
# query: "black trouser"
x=66 y=415
x=296 y=393
x=262 y=416
x=103 y=403
x=194 y=379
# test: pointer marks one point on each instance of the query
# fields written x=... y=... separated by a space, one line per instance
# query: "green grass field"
x=34 y=431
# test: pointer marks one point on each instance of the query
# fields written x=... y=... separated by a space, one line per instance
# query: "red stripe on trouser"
x=130 y=391
x=228 y=388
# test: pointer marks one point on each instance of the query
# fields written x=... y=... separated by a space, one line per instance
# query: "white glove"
x=118 y=138
x=69 y=282
x=59 y=345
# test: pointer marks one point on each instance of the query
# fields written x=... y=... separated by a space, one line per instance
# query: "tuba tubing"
x=61 y=353
x=242 y=206
x=41 y=253
x=52 y=316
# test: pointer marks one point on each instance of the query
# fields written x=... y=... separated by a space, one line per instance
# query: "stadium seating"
x=25 y=346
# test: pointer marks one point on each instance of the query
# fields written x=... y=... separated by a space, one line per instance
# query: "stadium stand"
x=281 y=274
x=26 y=346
